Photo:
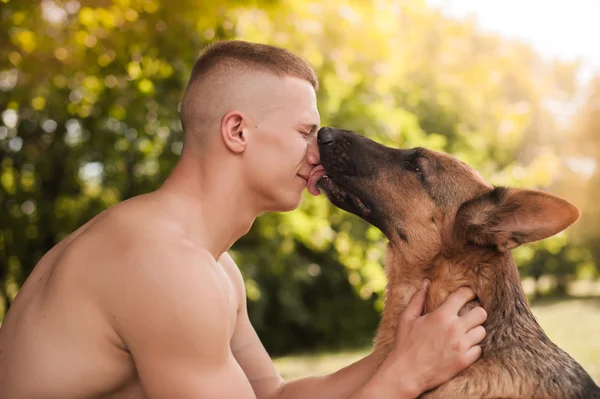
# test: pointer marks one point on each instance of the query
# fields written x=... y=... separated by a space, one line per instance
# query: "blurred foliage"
x=582 y=151
x=89 y=99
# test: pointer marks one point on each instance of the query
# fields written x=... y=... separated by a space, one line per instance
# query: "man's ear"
x=508 y=217
x=234 y=131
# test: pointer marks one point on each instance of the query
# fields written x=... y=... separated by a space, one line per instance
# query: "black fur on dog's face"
x=422 y=199
x=410 y=195
x=394 y=189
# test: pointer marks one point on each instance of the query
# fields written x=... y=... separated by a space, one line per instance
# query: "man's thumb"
x=414 y=309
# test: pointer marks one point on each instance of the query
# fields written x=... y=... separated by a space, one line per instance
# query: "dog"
x=444 y=222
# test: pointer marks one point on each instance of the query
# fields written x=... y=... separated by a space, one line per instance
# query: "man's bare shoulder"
x=167 y=259
x=166 y=284
x=138 y=225
x=235 y=275
x=139 y=261
x=140 y=249
x=139 y=213
x=173 y=313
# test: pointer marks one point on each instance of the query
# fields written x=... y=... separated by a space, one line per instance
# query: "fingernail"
x=424 y=284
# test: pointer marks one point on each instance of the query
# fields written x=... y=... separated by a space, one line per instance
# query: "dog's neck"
x=493 y=276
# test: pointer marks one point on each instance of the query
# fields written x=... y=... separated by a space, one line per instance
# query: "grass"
x=572 y=324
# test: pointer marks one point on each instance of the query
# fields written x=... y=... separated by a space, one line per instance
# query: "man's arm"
x=429 y=350
x=262 y=374
x=173 y=315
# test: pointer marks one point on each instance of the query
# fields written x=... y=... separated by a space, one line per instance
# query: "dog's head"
x=424 y=200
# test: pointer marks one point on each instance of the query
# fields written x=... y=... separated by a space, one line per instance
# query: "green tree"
x=89 y=97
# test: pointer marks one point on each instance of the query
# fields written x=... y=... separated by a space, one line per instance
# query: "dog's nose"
x=327 y=135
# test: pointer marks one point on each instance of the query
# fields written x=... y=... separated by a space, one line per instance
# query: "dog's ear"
x=509 y=217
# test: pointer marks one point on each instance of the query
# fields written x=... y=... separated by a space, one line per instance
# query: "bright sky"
x=564 y=29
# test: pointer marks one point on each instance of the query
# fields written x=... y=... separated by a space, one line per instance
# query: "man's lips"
x=315 y=174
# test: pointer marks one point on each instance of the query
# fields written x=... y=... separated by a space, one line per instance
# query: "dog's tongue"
x=313 y=178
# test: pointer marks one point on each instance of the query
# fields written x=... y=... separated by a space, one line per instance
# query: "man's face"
x=283 y=146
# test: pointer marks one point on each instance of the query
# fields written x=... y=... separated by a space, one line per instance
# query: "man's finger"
x=457 y=299
x=473 y=318
x=473 y=354
x=414 y=309
x=475 y=336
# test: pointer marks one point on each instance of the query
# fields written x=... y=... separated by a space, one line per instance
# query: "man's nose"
x=327 y=135
x=313 y=157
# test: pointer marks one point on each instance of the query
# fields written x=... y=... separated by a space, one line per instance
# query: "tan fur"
x=445 y=223
x=494 y=278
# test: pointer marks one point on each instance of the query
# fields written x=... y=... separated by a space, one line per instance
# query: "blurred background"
x=89 y=116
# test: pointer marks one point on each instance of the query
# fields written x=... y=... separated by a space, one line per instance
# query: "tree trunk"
x=562 y=283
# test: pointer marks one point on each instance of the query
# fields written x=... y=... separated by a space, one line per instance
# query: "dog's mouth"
x=344 y=198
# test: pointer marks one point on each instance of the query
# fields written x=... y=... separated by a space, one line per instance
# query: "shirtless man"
x=143 y=301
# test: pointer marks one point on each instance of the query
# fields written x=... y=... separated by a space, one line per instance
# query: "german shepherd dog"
x=444 y=222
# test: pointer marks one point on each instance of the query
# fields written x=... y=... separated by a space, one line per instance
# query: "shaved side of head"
x=235 y=75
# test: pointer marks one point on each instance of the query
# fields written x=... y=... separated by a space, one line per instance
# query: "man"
x=144 y=301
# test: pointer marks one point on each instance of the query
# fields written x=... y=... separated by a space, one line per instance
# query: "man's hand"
x=432 y=349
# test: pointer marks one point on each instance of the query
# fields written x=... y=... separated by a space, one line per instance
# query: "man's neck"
x=210 y=203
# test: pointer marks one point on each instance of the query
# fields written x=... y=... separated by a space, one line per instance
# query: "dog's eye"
x=413 y=165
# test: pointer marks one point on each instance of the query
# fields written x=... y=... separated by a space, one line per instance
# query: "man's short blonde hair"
x=233 y=57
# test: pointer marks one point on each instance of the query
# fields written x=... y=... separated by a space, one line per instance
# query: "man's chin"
x=292 y=202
